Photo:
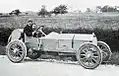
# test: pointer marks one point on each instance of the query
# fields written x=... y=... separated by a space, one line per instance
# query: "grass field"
x=70 y=21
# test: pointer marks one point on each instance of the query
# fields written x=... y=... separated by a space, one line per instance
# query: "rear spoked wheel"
x=16 y=51
x=106 y=51
x=89 y=56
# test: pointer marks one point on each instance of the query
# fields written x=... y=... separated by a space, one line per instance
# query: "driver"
x=29 y=30
x=30 y=27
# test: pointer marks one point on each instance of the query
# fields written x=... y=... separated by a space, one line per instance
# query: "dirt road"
x=49 y=68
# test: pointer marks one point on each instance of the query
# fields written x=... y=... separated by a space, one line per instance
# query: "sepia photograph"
x=59 y=38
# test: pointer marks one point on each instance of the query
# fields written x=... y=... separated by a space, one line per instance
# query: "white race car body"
x=57 y=42
x=66 y=42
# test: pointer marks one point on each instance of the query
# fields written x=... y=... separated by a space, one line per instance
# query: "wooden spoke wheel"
x=106 y=51
x=16 y=51
x=89 y=56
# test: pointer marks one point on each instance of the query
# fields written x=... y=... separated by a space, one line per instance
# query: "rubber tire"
x=109 y=50
x=23 y=47
x=78 y=57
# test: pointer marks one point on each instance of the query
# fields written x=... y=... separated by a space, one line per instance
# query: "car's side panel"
x=65 y=45
x=59 y=45
x=49 y=44
x=77 y=44
x=65 y=42
x=79 y=39
x=32 y=42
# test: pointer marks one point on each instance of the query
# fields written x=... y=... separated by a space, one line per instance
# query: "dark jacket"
x=28 y=30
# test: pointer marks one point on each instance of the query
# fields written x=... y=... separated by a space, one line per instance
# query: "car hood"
x=54 y=35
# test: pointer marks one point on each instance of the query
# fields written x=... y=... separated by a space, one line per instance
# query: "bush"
x=4 y=34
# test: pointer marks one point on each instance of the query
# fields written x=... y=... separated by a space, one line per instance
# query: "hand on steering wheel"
x=39 y=32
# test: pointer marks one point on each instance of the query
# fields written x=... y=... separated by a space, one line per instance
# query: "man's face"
x=30 y=23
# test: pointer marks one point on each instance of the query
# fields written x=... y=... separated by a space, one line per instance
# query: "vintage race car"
x=81 y=47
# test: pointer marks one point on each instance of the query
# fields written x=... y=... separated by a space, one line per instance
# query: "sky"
x=35 y=5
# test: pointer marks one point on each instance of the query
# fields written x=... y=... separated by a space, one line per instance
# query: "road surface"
x=49 y=68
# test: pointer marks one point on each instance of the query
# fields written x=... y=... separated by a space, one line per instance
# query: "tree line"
x=105 y=8
x=62 y=9
x=43 y=12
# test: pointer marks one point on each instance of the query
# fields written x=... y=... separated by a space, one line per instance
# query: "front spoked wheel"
x=89 y=56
